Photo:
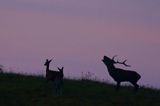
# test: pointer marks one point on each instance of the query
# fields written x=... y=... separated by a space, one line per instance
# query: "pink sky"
x=78 y=33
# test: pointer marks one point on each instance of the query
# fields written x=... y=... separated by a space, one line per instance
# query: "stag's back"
x=125 y=75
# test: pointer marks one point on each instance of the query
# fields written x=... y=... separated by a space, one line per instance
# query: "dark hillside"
x=20 y=90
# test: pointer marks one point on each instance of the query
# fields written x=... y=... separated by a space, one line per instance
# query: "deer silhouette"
x=55 y=76
x=121 y=75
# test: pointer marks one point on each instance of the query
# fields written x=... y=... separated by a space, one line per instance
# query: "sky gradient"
x=78 y=33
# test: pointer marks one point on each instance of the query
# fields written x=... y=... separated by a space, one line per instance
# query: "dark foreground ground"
x=20 y=90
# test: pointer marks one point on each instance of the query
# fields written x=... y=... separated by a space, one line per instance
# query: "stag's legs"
x=136 y=86
x=118 y=85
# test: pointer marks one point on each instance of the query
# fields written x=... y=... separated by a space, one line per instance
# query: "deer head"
x=61 y=72
x=47 y=62
x=60 y=69
x=112 y=61
x=108 y=60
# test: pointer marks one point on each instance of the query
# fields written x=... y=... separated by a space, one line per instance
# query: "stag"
x=55 y=76
x=121 y=75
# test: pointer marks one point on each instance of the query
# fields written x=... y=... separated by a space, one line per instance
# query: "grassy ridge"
x=20 y=90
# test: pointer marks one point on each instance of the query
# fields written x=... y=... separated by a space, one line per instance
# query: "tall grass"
x=21 y=90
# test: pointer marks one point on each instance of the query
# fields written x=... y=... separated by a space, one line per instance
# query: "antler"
x=124 y=63
x=114 y=57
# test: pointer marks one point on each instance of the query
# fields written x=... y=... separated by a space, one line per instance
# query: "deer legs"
x=58 y=84
x=136 y=86
x=117 y=86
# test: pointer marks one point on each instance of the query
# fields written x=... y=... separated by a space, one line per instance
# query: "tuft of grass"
x=21 y=90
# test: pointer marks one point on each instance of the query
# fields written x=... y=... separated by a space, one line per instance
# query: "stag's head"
x=108 y=60
x=47 y=62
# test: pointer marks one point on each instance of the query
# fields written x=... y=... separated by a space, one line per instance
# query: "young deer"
x=120 y=75
x=55 y=76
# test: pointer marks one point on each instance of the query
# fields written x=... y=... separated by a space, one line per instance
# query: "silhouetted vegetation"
x=21 y=90
x=1 y=68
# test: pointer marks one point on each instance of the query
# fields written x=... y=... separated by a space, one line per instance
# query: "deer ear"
x=58 y=68
x=50 y=60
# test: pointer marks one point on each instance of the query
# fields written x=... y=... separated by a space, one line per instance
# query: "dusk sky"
x=78 y=33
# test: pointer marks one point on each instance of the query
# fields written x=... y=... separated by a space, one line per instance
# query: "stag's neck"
x=111 y=68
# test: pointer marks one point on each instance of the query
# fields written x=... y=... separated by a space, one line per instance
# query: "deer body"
x=120 y=75
x=55 y=76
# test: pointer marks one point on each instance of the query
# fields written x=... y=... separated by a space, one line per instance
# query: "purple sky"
x=78 y=33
